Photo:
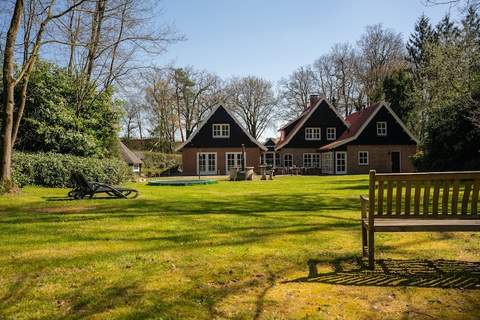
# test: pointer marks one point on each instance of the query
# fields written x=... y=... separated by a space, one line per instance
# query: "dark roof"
x=300 y=121
x=358 y=120
x=303 y=114
x=221 y=110
x=271 y=141
x=128 y=155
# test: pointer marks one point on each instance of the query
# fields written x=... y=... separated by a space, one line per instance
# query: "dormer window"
x=313 y=134
x=331 y=133
x=221 y=130
x=381 y=128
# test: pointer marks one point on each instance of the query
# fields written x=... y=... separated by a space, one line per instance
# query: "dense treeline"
x=431 y=82
x=69 y=107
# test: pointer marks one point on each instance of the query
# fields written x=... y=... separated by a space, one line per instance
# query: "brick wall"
x=379 y=158
x=189 y=158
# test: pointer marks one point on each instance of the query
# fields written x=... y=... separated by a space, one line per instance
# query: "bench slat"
x=456 y=186
x=408 y=193
x=416 y=204
x=398 y=201
x=389 y=197
x=436 y=194
x=426 y=198
x=380 y=198
x=446 y=192
x=466 y=197
x=476 y=189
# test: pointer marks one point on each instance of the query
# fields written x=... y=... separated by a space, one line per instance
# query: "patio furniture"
x=455 y=210
x=83 y=188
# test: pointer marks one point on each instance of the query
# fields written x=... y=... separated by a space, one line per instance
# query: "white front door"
x=207 y=163
x=340 y=162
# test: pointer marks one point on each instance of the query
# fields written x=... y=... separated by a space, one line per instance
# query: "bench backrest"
x=80 y=182
x=425 y=195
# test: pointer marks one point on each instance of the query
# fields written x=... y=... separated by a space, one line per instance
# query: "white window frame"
x=237 y=159
x=273 y=153
x=291 y=157
x=365 y=156
x=331 y=133
x=311 y=160
x=337 y=153
x=313 y=133
x=382 y=128
x=207 y=172
x=221 y=130
x=136 y=168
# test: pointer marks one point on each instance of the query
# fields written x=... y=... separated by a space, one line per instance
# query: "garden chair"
x=83 y=188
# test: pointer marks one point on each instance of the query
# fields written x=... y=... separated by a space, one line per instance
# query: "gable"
x=288 y=129
x=203 y=137
x=324 y=117
x=395 y=133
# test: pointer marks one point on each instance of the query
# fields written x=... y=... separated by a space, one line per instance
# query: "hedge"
x=160 y=159
x=54 y=170
x=155 y=163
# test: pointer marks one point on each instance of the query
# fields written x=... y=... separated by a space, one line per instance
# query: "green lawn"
x=282 y=249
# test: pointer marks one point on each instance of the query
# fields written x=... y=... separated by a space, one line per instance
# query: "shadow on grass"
x=248 y=206
x=444 y=274
x=71 y=199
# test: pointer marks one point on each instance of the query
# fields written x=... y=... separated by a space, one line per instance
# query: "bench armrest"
x=364 y=201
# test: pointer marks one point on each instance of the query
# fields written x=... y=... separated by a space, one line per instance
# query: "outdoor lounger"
x=83 y=188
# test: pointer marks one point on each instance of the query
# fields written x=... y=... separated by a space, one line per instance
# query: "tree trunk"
x=95 y=36
x=9 y=97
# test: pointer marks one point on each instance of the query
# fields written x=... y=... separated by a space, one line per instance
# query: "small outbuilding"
x=131 y=158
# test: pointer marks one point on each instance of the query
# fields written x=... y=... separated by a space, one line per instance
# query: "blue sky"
x=271 y=38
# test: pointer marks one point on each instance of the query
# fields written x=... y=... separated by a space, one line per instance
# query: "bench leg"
x=364 y=240
x=371 y=249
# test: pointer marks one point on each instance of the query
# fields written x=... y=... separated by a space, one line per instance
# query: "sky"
x=271 y=38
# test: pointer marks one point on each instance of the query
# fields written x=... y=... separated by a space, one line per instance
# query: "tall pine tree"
x=417 y=44
x=446 y=30
x=471 y=27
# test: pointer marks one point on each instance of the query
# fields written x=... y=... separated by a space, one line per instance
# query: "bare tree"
x=195 y=94
x=453 y=3
x=382 y=52
x=106 y=39
x=324 y=70
x=177 y=100
x=254 y=101
x=12 y=79
x=131 y=112
x=160 y=106
x=295 y=90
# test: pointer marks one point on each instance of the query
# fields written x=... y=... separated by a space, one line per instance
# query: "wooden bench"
x=409 y=202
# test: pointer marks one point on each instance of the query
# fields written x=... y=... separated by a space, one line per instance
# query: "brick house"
x=374 y=138
x=300 y=139
x=216 y=146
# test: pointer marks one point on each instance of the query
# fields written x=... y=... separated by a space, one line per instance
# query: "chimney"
x=314 y=99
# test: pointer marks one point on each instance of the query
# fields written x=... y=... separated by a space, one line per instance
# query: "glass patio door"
x=340 y=162
x=234 y=160
x=207 y=163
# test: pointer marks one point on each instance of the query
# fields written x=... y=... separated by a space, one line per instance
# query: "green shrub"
x=54 y=170
x=154 y=163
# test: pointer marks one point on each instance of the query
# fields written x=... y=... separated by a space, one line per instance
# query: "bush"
x=54 y=170
x=154 y=163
